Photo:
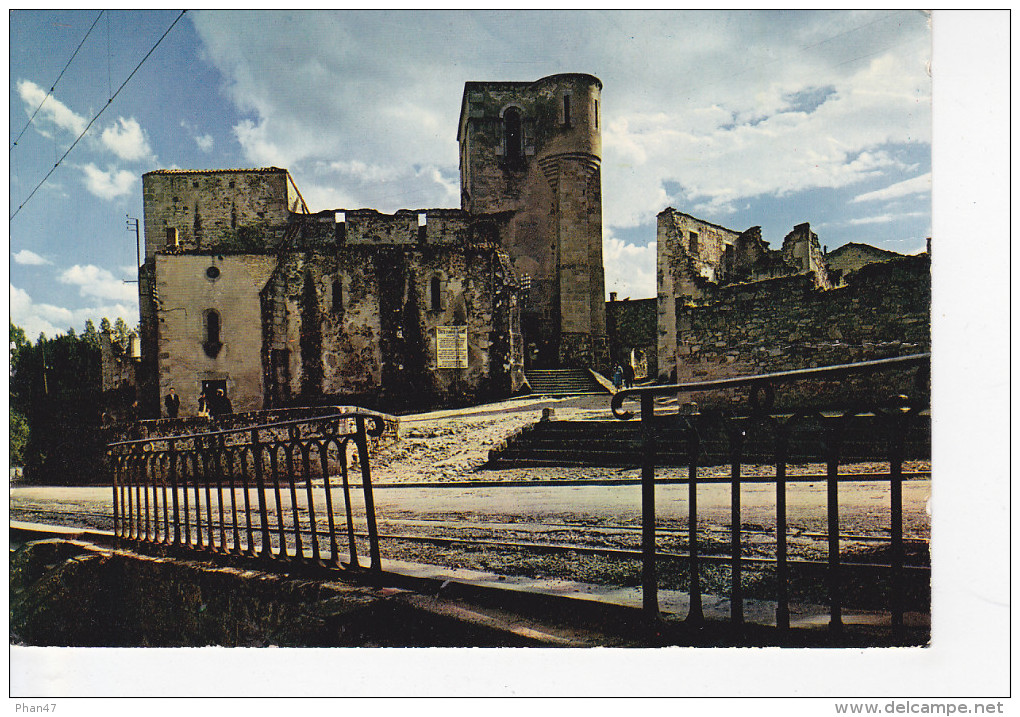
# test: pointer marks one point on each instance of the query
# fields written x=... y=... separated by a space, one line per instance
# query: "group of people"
x=623 y=377
x=210 y=403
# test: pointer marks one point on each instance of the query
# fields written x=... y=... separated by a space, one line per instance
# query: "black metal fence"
x=891 y=425
x=269 y=490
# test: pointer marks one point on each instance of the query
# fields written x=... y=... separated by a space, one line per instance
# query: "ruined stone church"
x=244 y=289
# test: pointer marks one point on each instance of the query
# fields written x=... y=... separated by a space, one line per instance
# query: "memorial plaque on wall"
x=451 y=347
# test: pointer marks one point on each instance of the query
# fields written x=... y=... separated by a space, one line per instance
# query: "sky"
x=741 y=118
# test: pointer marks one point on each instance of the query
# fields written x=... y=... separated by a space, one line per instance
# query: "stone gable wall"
x=219 y=210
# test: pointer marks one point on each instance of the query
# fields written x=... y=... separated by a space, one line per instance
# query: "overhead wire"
x=54 y=85
x=97 y=115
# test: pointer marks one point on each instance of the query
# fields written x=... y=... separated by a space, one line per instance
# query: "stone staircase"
x=563 y=382
x=618 y=443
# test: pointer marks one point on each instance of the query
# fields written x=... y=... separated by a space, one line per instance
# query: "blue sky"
x=741 y=118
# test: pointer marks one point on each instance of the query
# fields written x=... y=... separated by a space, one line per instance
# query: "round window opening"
x=213 y=272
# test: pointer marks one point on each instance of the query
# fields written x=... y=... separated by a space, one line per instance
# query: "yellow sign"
x=451 y=347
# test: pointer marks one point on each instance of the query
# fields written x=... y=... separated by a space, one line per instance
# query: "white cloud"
x=763 y=104
x=29 y=258
x=127 y=140
x=630 y=269
x=110 y=184
x=916 y=185
x=92 y=280
x=259 y=148
x=204 y=142
x=886 y=218
x=52 y=110
x=36 y=318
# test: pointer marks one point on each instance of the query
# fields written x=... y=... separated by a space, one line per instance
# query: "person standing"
x=220 y=404
x=172 y=402
x=628 y=375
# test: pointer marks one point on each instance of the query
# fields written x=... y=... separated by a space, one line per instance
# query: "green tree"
x=19 y=438
x=120 y=330
x=104 y=324
x=18 y=337
x=55 y=387
x=90 y=336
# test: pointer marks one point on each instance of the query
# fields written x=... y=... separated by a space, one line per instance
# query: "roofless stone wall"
x=786 y=323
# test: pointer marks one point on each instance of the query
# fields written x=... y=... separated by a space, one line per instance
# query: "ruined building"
x=533 y=151
x=245 y=289
x=729 y=305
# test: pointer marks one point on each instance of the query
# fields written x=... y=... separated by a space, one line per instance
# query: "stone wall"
x=73 y=594
x=787 y=323
x=211 y=209
x=694 y=258
x=534 y=149
x=632 y=334
x=361 y=325
x=189 y=287
x=851 y=257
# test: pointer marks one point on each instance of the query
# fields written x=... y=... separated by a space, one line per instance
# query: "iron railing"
x=890 y=421
x=267 y=491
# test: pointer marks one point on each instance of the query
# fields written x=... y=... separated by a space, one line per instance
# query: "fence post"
x=649 y=581
x=782 y=569
x=833 y=445
x=114 y=464
x=173 y=488
x=260 y=486
x=375 y=561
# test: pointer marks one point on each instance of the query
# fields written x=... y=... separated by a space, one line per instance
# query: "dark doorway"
x=210 y=386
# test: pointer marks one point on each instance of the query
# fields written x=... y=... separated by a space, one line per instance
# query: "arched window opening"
x=436 y=294
x=212 y=344
x=566 y=110
x=513 y=138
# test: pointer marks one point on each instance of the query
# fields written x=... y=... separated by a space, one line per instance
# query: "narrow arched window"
x=436 y=294
x=212 y=343
x=512 y=136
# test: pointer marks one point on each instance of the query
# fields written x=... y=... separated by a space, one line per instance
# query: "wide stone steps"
x=619 y=443
x=563 y=382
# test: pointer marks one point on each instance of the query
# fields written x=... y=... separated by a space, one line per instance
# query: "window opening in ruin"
x=692 y=241
x=340 y=222
x=338 y=296
x=213 y=272
x=422 y=222
x=512 y=137
x=212 y=344
x=566 y=110
x=171 y=237
x=436 y=294
x=596 y=114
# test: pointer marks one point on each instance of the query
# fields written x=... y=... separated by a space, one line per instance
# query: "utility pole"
x=132 y=223
x=45 y=384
